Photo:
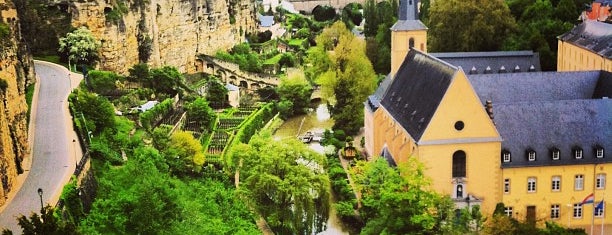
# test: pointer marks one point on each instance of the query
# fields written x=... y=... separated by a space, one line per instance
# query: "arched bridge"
x=308 y=5
x=231 y=73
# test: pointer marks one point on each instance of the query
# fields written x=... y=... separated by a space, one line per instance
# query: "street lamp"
x=40 y=193
x=76 y=164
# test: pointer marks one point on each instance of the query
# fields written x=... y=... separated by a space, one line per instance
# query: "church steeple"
x=408 y=32
x=408 y=9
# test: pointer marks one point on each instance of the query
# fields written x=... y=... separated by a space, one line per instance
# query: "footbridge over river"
x=230 y=73
x=307 y=6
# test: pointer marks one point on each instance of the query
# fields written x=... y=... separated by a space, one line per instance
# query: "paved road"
x=53 y=153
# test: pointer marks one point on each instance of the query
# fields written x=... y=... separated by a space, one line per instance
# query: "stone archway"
x=221 y=74
x=255 y=86
x=244 y=84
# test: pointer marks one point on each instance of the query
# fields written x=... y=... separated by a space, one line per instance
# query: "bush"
x=324 y=13
x=150 y=117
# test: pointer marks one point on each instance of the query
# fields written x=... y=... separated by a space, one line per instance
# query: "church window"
x=459 y=164
x=459 y=125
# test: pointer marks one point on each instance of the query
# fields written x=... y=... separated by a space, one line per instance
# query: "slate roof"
x=545 y=110
x=408 y=10
x=537 y=86
x=493 y=62
x=592 y=35
x=373 y=101
x=405 y=25
x=416 y=91
x=564 y=125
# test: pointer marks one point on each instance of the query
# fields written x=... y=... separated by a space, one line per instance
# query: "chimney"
x=489 y=109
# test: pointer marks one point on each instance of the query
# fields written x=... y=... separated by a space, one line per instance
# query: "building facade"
x=586 y=47
x=537 y=141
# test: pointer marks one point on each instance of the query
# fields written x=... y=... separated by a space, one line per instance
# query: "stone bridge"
x=307 y=6
x=230 y=73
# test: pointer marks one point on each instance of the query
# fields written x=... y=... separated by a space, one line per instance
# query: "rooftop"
x=591 y=35
x=550 y=110
x=416 y=91
x=493 y=61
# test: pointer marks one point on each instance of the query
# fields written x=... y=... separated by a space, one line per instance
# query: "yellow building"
x=499 y=132
x=586 y=47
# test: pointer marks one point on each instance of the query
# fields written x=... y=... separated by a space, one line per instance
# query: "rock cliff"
x=163 y=32
x=16 y=71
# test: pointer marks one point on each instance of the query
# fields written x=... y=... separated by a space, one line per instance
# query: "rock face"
x=171 y=32
x=16 y=71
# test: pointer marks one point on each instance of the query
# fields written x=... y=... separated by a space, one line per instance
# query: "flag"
x=588 y=200
x=599 y=206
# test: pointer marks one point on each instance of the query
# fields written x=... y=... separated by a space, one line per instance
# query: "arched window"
x=459 y=191
x=410 y=43
x=459 y=164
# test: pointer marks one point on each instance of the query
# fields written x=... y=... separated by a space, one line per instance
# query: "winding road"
x=54 y=153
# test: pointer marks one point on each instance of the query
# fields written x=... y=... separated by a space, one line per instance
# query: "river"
x=315 y=120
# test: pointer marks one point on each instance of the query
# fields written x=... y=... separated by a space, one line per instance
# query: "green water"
x=315 y=120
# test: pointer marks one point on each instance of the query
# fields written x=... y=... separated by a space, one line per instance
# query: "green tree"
x=539 y=25
x=97 y=110
x=136 y=198
x=80 y=46
x=216 y=93
x=285 y=182
x=295 y=88
x=371 y=18
x=166 y=80
x=43 y=224
x=345 y=75
x=140 y=73
x=184 y=154
x=398 y=200
x=469 y=25
x=200 y=112
x=103 y=82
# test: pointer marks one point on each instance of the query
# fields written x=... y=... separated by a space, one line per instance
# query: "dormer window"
x=531 y=155
x=599 y=152
x=506 y=156
x=577 y=153
x=554 y=153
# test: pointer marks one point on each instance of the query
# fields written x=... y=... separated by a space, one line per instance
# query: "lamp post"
x=40 y=193
x=76 y=164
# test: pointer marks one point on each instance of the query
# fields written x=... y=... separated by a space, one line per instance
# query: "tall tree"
x=469 y=25
x=296 y=89
x=80 y=46
x=539 y=25
x=285 y=182
x=399 y=200
x=346 y=75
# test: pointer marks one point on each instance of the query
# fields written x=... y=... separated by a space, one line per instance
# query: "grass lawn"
x=297 y=42
x=273 y=60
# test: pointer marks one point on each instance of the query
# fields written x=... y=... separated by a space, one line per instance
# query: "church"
x=491 y=127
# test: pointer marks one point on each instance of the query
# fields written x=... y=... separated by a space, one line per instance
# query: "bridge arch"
x=244 y=84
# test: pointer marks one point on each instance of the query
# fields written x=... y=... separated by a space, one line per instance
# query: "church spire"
x=408 y=10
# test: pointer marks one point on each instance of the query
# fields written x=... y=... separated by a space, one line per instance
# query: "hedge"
x=151 y=116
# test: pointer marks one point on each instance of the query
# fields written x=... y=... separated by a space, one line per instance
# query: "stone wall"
x=16 y=71
x=179 y=29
